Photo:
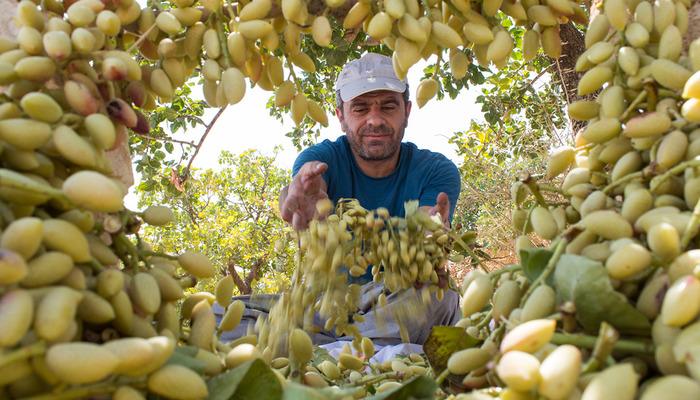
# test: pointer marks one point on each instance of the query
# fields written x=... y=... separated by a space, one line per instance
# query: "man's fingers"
x=321 y=168
x=442 y=201
x=311 y=179
x=299 y=223
x=288 y=208
x=442 y=204
x=312 y=169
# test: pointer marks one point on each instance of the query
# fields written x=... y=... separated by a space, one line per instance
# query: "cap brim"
x=354 y=89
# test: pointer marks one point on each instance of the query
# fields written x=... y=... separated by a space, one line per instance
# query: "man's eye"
x=359 y=109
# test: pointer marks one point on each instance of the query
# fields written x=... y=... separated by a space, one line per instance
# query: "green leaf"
x=178 y=358
x=534 y=261
x=587 y=285
x=189 y=351
x=442 y=342
x=420 y=387
x=296 y=391
x=250 y=381
x=321 y=355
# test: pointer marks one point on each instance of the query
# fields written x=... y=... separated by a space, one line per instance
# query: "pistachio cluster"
x=626 y=212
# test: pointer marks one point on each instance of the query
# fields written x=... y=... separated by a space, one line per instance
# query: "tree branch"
x=165 y=139
x=242 y=286
x=254 y=272
x=186 y=172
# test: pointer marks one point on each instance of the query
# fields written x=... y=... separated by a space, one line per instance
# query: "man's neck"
x=377 y=168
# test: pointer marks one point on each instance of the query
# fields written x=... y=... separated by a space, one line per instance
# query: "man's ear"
x=339 y=114
x=408 y=108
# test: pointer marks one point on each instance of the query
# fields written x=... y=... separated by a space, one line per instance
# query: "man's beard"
x=388 y=150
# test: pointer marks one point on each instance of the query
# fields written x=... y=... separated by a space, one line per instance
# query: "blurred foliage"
x=229 y=214
x=523 y=117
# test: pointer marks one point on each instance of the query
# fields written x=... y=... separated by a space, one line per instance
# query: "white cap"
x=369 y=73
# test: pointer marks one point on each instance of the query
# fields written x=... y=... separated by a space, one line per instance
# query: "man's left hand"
x=441 y=207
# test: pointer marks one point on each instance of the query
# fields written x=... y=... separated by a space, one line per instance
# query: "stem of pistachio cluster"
x=230 y=10
x=441 y=378
x=372 y=379
x=658 y=180
x=484 y=321
x=222 y=37
x=157 y=254
x=589 y=342
x=95 y=265
x=558 y=251
x=604 y=345
x=692 y=228
x=549 y=188
x=141 y=38
x=477 y=259
x=535 y=190
x=675 y=114
x=290 y=66
x=624 y=179
x=505 y=270
x=633 y=105
x=31 y=186
x=436 y=73
x=130 y=248
x=494 y=335
x=654 y=149
x=527 y=220
x=586 y=146
x=23 y=353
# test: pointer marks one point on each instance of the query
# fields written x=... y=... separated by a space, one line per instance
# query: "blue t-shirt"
x=420 y=175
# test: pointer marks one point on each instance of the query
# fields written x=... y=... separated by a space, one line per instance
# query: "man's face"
x=374 y=123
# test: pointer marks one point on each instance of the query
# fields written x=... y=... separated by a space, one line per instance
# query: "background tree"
x=523 y=109
x=230 y=215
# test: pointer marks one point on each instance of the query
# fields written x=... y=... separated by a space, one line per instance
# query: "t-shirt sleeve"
x=444 y=177
x=320 y=152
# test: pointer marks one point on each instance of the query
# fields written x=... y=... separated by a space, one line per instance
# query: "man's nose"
x=375 y=117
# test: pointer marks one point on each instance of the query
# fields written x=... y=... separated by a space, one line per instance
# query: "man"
x=370 y=163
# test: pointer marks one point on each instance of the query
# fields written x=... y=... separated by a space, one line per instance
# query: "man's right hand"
x=298 y=200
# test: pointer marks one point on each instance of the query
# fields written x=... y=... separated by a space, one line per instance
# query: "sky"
x=248 y=125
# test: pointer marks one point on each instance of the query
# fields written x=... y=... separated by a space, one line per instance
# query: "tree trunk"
x=244 y=285
x=573 y=45
x=7 y=18
x=241 y=285
x=693 y=24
